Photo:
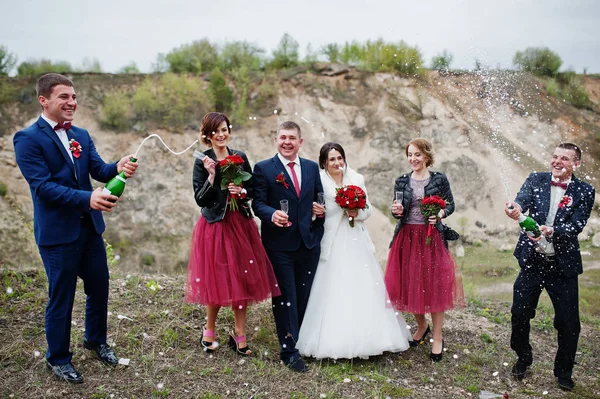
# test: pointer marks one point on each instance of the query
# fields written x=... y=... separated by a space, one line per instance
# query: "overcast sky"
x=117 y=32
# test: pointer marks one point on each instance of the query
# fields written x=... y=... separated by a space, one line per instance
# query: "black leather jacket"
x=438 y=185
x=211 y=198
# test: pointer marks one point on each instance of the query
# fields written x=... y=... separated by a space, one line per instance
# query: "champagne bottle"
x=529 y=225
x=116 y=185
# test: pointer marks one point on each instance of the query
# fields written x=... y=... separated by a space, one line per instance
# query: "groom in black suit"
x=561 y=204
x=57 y=159
x=294 y=249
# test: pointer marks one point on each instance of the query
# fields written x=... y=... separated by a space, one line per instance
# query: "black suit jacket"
x=534 y=198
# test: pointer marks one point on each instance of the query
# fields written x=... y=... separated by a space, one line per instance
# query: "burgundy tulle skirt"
x=422 y=278
x=228 y=264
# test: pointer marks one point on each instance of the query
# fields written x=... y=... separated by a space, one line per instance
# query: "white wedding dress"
x=348 y=314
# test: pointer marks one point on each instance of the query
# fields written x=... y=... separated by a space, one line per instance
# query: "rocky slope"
x=489 y=129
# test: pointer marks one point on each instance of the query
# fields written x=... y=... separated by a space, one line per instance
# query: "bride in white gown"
x=348 y=314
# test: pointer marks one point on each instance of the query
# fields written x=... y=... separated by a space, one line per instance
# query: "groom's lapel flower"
x=75 y=148
x=566 y=200
x=281 y=180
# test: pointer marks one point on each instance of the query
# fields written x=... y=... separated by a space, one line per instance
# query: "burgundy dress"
x=228 y=264
x=421 y=278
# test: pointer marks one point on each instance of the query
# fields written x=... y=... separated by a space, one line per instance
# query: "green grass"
x=166 y=360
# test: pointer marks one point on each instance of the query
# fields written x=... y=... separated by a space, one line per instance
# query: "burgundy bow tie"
x=66 y=126
x=559 y=184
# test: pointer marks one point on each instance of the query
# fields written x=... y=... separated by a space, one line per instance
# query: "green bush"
x=40 y=67
x=441 y=62
x=551 y=87
x=576 y=95
x=173 y=101
x=222 y=95
x=3 y=189
x=332 y=52
x=237 y=55
x=538 y=60
x=129 y=68
x=200 y=56
x=7 y=61
x=115 y=111
x=148 y=259
x=286 y=54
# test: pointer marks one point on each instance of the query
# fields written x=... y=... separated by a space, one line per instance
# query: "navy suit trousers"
x=295 y=271
x=564 y=293
x=85 y=258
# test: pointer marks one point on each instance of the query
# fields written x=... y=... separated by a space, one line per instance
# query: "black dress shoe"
x=297 y=364
x=519 y=370
x=104 y=353
x=566 y=383
x=436 y=357
x=66 y=372
x=420 y=341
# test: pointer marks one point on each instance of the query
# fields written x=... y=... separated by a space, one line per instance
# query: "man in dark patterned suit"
x=561 y=204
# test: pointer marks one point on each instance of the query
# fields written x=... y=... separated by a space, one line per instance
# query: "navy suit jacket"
x=534 y=197
x=60 y=188
x=268 y=193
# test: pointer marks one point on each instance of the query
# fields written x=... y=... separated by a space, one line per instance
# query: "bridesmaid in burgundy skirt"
x=422 y=277
x=228 y=264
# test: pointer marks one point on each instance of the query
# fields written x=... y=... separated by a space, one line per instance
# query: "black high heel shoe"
x=234 y=341
x=436 y=357
x=209 y=346
x=417 y=342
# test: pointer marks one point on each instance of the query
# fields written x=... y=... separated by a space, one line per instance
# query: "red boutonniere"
x=281 y=180
x=75 y=148
x=565 y=201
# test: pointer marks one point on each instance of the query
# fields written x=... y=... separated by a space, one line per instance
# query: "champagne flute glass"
x=398 y=197
x=285 y=207
x=321 y=201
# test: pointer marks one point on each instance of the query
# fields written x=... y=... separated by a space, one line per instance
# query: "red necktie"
x=559 y=184
x=60 y=125
x=295 y=178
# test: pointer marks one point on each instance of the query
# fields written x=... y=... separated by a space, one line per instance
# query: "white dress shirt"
x=556 y=195
x=297 y=169
x=62 y=135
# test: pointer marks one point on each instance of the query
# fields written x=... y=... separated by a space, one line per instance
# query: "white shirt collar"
x=286 y=161
x=50 y=121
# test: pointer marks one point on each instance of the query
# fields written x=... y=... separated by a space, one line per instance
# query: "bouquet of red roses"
x=431 y=206
x=232 y=171
x=351 y=197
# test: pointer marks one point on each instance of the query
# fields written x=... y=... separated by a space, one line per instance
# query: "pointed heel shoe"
x=234 y=344
x=420 y=341
x=436 y=357
x=209 y=346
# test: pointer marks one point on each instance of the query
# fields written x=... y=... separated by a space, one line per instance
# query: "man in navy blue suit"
x=57 y=160
x=561 y=205
x=294 y=248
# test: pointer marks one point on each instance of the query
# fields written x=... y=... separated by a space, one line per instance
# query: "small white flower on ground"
x=123 y=361
x=160 y=385
x=466 y=351
x=455 y=356
x=74 y=322
x=505 y=364
x=36 y=353
x=495 y=373
x=266 y=353
x=188 y=372
x=545 y=393
x=255 y=328
x=123 y=317
x=322 y=395
x=241 y=362
x=161 y=353
x=346 y=379
x=137 y=374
